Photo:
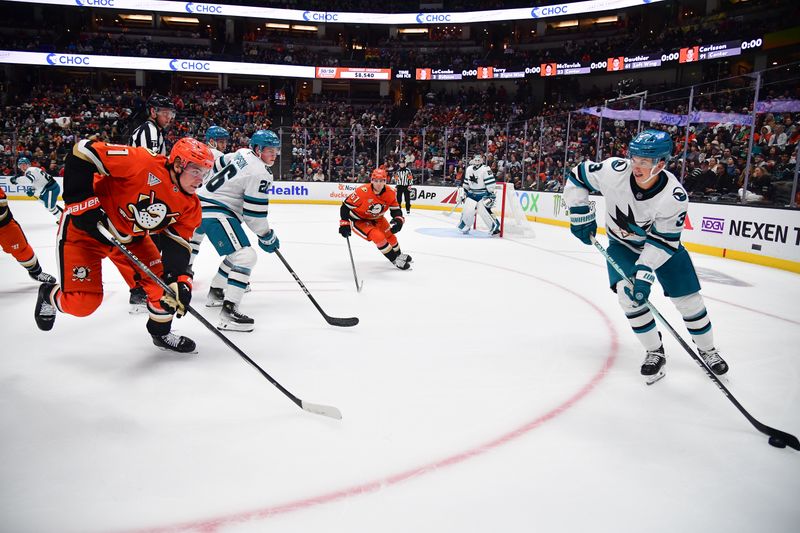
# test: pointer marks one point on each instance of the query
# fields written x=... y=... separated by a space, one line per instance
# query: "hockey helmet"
x=217 y=133
x=379 y=174
x=192 y=151
x=651 y=144
x=23 y=161
x=477 y=160
x=264 y=139
x=157 y=101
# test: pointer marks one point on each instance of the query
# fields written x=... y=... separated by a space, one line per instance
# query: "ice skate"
x=175 y=343
x=215 y=297
x=403 y=261
x=45 y=312
x=138 y=301
x=231 y=319
x=713 y=361
x=653 y=366
x=43 y=277
x=463 y=228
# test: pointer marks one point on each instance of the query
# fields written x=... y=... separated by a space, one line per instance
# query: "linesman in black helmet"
x=403 y=179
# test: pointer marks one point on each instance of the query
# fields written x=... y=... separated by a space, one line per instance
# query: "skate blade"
x=214 y=303
x=137 y=309
x=655 y=377
x=224 y=326
x=176 y=352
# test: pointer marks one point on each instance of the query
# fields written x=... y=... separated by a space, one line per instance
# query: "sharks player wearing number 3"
x=645 y=211
x=237 y=193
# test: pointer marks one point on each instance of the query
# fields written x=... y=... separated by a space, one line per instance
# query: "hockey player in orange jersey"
x=132 y=192
x=13 y=241
x=363 y=212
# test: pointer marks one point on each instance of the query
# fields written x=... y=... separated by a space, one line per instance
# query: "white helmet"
x=476 y=160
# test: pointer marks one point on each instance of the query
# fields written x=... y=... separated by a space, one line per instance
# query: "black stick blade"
x=342 y=322
x=787 y=438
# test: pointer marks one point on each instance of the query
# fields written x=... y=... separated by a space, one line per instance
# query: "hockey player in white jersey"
x=217 y=139
x=645 y=211
x=477 y=193
x=43 y=185
x=238 y=192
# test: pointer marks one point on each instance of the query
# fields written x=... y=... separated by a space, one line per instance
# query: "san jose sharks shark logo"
x=627 y=224
x=148 y=214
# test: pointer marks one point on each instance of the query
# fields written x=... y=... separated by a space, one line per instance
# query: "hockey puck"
x=778 y=443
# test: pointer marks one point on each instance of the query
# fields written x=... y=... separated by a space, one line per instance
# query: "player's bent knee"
x=624 y=300
x=80 y=303
x=689 y=305
x=244 y=257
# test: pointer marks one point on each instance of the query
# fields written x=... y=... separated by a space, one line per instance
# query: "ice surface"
x=493 y=387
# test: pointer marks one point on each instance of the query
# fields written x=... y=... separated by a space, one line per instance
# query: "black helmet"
x=157 y=101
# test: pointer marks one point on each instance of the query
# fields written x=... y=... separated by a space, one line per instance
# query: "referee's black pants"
x=404 y=192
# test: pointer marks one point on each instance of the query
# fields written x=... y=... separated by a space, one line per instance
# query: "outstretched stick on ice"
x=332 y=320
x=776 y=436
x=324 y=410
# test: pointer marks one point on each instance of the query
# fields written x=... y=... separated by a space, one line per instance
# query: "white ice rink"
x=493 y=388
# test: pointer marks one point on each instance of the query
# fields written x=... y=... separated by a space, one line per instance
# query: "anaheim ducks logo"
x=375 y=209
x=149 y=214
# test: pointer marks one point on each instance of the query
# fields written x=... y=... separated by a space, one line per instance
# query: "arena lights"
x=296 y=15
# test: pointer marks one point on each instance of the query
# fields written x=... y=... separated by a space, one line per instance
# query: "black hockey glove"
x=396 y=224
x=344 y=228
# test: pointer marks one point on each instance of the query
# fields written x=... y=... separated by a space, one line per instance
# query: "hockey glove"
x=462 y=195
x=582 y=222
x=643 y=278
x=488 y=201
x=182 y=290
x=29 y=191
x=344 y=228
x=13 y=180
x=269 y=242
x=87 y=214
x=396 y=224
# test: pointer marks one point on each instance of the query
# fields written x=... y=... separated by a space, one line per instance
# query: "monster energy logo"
x=558 y=203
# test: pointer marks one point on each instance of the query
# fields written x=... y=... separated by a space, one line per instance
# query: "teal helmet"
x=23 y=161
x=652 y=144
x=217 y=133
x=264 y=139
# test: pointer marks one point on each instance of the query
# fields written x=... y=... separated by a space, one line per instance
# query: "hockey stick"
x=453 y=210
x=324 y=410
x=332 y=320
x=353 y=263
x=778 y=435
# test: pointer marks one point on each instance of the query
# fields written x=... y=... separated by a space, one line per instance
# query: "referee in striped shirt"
x=150 y=134
x=403 y=179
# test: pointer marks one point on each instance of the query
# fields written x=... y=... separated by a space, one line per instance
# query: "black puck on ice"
x=778 y=443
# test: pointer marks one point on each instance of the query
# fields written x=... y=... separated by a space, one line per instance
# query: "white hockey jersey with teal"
x=479 y=182
x=648 y=222
x=238 y=189
x=38 y=178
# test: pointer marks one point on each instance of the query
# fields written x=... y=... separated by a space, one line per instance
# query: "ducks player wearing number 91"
x=645 y=211
x=237 y=193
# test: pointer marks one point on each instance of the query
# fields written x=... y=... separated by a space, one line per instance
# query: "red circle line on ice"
x=211 y=525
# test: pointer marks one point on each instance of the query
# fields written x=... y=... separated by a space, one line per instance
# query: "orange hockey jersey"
x=364 y=204
x=137 y=193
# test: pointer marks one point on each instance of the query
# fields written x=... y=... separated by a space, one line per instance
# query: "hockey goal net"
x=509 y=212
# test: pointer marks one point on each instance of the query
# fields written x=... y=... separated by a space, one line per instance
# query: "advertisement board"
x=755 y=234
